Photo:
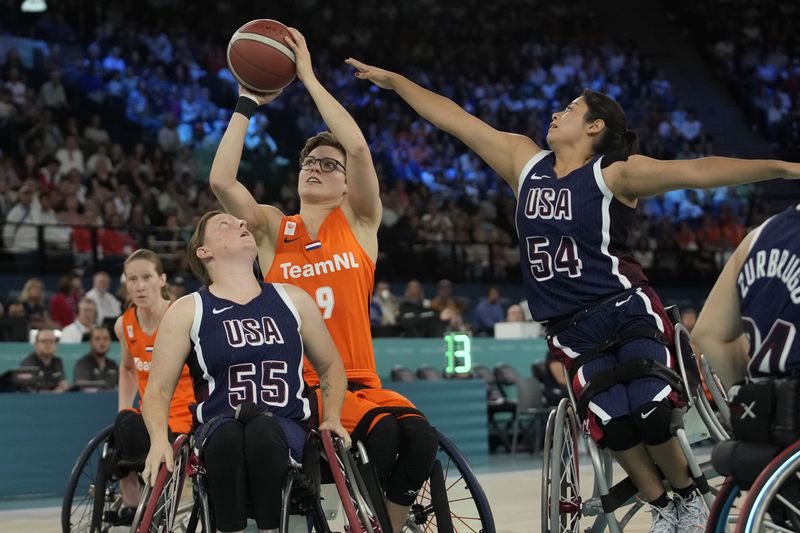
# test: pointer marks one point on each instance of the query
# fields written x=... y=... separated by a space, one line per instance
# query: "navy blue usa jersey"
x=247 y=353
x=769 y=296
x=573 y=238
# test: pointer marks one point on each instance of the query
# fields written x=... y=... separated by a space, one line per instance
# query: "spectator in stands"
x=78 y=331
x=33 y=299
x=97 y=135
x=51 y=367
x=414 y=298
x=64 y=304
x=488 y=312
x=19 y=232
x=387 y=303
x=95 y=366
x=70 y=157
x=108 y=307
x=52 y=94
x=444 y=297
x=514 y=314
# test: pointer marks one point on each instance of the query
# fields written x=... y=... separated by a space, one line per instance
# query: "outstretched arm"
x=169 y=355
x=640 y=176
x=718 y=331
x=234 y=196
x=506 y=153
x=362 y=191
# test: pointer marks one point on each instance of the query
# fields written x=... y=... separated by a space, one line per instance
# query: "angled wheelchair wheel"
x=92 y=497
x=451 y=499
x=773 y=501
x=724 y=511
x=561 y=495
x=563 y=510
x=159 y=507
x=356 y=511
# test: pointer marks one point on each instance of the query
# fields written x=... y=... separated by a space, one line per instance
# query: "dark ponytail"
x=616 y=137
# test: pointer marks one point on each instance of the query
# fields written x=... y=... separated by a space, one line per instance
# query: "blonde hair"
x=25 y=295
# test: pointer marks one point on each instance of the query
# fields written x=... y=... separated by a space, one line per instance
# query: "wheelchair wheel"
x=348 y=492
x=92 y=497
x=451 y=499
x=773 y=502
x=723 y=513
x=561 y=495
x=159 y=505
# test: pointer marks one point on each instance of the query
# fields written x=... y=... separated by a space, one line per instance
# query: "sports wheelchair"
x=451 y=500
x=563 y=505
x=92 y=499
x=763 y=465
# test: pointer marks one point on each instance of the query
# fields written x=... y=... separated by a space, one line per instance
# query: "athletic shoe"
x=665 y=519
x=692 y=514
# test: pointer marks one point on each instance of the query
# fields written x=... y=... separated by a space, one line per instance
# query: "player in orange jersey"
x=136 y=329
x=329 y=250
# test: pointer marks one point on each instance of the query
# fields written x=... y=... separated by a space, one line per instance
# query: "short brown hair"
x=197 y=265
x=149 y=255
x=324 y=138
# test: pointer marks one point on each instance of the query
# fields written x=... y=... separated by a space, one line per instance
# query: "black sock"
x=662 y=501
x=686 y=492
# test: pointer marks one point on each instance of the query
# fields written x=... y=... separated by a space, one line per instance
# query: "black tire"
x=81 y=495
x=466 y=502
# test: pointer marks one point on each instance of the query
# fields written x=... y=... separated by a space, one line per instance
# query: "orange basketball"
x=259 y=57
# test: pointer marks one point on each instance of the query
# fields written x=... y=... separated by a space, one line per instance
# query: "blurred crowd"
x=107 y=137
x=754 y=47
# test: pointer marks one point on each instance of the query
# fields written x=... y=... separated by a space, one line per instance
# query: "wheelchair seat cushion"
x=742 y=460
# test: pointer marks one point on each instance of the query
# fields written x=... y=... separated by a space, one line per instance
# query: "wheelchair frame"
x=358 y=500
x=562 y=504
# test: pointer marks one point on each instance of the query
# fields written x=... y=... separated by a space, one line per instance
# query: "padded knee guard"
x=652 y=420
x=620 y=434
x=382 y=444
x=418 y=444
x=130 y=436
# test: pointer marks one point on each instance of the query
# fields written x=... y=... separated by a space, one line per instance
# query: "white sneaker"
x=665 y=519
x=692 y=513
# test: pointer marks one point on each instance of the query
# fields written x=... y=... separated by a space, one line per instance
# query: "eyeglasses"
x=326 y=164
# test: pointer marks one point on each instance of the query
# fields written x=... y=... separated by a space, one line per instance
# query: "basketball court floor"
x=512 y=485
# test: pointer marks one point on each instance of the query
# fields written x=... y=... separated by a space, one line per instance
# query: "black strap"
x=246 y=106
x=362 y=428
x=625 y=373
x=638 y=332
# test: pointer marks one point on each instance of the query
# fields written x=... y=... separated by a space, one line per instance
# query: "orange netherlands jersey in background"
x=336 y=271
x=140 y=346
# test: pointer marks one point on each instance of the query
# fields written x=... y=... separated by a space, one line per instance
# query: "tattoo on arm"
x=325 y=387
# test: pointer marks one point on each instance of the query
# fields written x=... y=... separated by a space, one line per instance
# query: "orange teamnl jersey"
x=339 y=275
x=140 y=346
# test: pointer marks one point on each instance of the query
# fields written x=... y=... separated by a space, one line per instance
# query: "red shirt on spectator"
x=732 y=233
x=62 y=309
x=115 y=242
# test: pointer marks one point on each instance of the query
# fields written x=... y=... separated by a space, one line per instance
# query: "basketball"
x=259 y=57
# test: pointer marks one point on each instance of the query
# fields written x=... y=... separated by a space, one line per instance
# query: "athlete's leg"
x=418 y=444
x=651 y=406
x=132 y=442
x=223 y=458
x=267 y=462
